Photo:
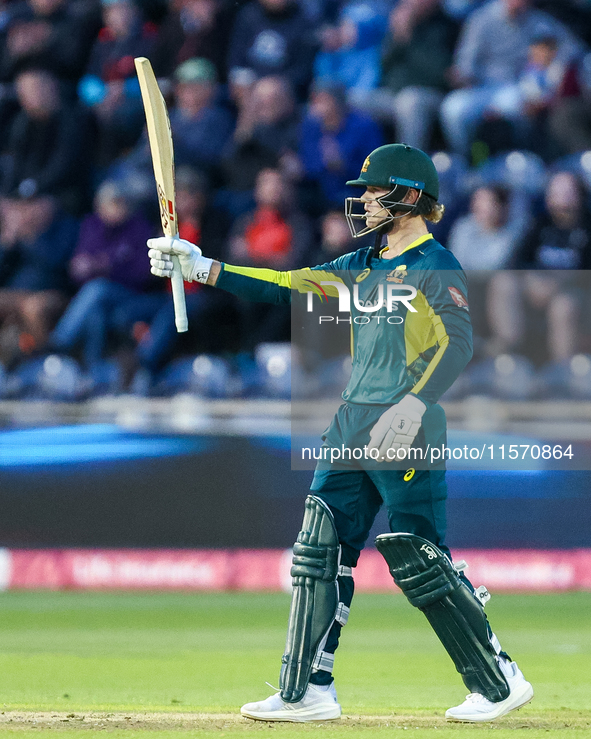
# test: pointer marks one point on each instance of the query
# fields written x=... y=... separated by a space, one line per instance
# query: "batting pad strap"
x=324 y=661
x=342 y=614
x=430 y=586
x=319 y=562
x=496 y=643
x=345 y=571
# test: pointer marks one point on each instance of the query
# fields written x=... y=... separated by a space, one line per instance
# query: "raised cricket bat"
x=160 y=137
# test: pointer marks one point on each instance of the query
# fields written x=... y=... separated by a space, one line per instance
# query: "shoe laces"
x=475 y=698
x=277 y=690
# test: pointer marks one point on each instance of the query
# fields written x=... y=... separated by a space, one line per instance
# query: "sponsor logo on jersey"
x=458 y=298
x=317 y=290
x=409 y=474
x=362 y=275
x=397 y=275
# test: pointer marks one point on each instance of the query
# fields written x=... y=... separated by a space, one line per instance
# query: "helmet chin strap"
x=377 y=244
x=386 y=227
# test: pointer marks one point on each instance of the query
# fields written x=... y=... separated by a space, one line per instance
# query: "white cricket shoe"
x=318 y=704
x=478 y=708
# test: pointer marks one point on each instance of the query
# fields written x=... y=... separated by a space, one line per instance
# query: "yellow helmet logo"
x=365 y=165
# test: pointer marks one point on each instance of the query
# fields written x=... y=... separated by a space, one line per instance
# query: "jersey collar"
x=413 y=245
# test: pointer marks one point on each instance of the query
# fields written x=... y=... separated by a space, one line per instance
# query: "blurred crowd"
x=274 y=104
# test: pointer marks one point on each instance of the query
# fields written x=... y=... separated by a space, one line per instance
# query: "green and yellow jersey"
x=395 y=350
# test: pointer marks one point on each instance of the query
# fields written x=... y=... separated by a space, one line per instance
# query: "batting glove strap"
x=398 y=426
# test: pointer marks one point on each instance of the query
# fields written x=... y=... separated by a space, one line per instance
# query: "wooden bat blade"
x=161 y=148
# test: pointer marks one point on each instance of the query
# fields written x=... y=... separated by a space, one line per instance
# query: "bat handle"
x=178 y=297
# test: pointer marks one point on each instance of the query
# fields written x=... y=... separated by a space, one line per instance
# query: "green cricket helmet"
x=396 y=168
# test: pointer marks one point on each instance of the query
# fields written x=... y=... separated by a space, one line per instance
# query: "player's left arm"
x=444 y=296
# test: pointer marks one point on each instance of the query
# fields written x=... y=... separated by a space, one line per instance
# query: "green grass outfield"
x=170 y=665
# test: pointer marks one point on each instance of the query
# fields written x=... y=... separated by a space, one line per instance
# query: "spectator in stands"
x=200 y=127
x=36 y=242
x=490 y=56
x=273 y=37
x=149 y=317
x=350 y=53
x=317 y=341
x=569 y=116
x=152 y=326
x=461 y=9
x=561 y=237
x=333 y=139
x=193 y=28
x=485 y=239
x=335 y=238
x=569 y=123
x=545 y=81
x=488 y=236
x=55 y=35
x=539 y=310
x=109 y=267
x=110 y=86
x=274 y=235
x=416 y=57
x=266 y=135
x=49 y=144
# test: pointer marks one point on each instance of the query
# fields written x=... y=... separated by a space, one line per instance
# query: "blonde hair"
x=429 y=208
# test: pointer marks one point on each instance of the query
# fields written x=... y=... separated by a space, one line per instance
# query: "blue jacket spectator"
x=333 y=141
x=491 y=54
x=200 y=127
x=273 y=37
x=350 y=55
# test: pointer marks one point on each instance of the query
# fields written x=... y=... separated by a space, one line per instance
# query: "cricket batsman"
x=400 y=370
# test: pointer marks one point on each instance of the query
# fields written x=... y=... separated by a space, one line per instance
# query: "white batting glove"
x=194 y=266
x=397 y=427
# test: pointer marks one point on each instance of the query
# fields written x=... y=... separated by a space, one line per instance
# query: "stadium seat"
x=52 y=377
x=274 y=361
x=105 y=378
x=204 y=375
x=568 y=379
x=520 y=170
x=507 y=377
x=3 y=381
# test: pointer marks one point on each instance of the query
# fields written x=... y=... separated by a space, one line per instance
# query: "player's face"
x=376 y=212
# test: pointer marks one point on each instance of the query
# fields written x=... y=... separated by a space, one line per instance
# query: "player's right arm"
x=250 y=283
